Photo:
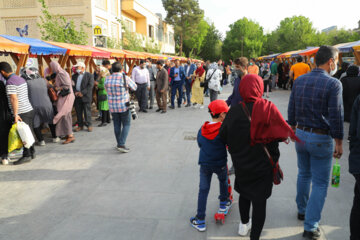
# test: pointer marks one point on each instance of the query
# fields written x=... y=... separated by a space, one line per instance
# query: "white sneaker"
x=244 y=228
x=5 y=161
x=202 y=107
x=42 y=143
x=56 y=140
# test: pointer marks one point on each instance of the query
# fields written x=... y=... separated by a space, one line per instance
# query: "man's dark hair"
x=105 y=62
x=116 y=67
x=150 y=59
x=160 y=62
x=4 y=66
x=216 y=116
x=299 y=59
x=324 y=54
x=243 y=62
x=142 y=61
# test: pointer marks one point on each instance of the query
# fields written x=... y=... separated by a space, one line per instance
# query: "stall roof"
x=96 y=53
x=288 y=54
x=114 y=53
x=38 y=47
x=348 y=47
x=307 y=52
x=133 y=54
x=9 y=46
x=271 y=56
x=72 y=50
x=356 y=48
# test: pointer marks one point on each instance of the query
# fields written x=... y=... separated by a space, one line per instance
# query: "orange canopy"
x=13 y=47
x=288 y=54
x=115 y=53
x=73 y=50
x=133 y=54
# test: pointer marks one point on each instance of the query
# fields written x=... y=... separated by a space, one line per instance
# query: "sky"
x=323 y=13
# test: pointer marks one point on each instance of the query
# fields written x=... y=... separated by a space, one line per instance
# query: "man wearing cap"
x=140 y=75
x=84 y=83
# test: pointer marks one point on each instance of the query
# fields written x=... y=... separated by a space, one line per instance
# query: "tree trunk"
x=181 y=44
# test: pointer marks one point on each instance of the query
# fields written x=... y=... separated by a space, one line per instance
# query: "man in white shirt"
x=141 y=76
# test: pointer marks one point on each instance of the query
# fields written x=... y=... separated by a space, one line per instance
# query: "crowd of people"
x=246 y=124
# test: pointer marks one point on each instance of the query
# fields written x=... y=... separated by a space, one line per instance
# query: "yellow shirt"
x=300 y=69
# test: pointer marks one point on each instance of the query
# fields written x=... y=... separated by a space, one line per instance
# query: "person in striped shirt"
x=21 y=109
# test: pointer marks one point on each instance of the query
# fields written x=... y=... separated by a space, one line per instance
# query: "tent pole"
x=357 y=57
x=40 y=63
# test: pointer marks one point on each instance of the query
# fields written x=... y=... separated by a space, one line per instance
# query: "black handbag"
x=102 y=98
x=278 y=174
x=64 y=92
x=206 y=82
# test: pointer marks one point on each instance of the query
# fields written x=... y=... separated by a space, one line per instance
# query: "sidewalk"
x=89 y=191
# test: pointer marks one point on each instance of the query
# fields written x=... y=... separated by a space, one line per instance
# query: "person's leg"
x=211 y=95
x=258 y=218
x=28 y=118
x=152 y=93
x=164 y=101
x=321 y=149
x=223 y=183
x=180 y=89
x=355 y=212
x=158 y=99
x=145 y=97
x=108 y=118
x=117 y=127
x=103 y=117
x=79 y=112
x=4 y=134
x=304 y=173
x=125 y=120
x=173 y=94
x=204 y=188
x=188 y=92
x=52 y=130
x=244 y=208
x=87 y=113
x=38 y=134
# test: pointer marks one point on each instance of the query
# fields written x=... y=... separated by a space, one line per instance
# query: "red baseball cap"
x=218 y=106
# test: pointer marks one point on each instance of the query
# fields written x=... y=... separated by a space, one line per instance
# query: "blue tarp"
x=348 y=47
x=38 y=47
x=272 y=56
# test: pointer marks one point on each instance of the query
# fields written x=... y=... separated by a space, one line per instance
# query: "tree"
x=57 y=28
x=130 y=40
x=193 y=45
x=245 y=38
x=185 y=16
x=211 y=49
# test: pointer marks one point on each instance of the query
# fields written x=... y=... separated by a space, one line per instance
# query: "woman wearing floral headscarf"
x=65 y=103
x=102 y=98
x=197 y=96
x=214 y=76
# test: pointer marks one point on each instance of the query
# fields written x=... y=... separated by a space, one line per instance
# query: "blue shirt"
x=316 y=102
x=177 y=71
x=78 y=82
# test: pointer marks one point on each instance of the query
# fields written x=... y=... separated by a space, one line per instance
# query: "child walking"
x=212 y=159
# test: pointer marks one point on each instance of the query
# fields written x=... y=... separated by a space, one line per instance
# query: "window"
x=171 y=39
x=115 y=7
x=151 y=31
x=13 y=23
x=129 y=25
x=115 y=30
x=102 y=4
x=64 y=3
x=17 y=3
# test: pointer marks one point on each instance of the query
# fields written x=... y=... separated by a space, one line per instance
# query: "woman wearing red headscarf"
x=197 y=91
x=253 y=171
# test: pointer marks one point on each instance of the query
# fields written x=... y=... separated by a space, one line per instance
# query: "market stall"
x=18 y=52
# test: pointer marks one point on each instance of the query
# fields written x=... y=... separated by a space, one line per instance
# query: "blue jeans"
x=188 y=90
x=177 y=85
x=314 y=163
x=206 y=173
x=123 y=119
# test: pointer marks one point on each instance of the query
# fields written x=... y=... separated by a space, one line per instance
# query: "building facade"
x=148 y=26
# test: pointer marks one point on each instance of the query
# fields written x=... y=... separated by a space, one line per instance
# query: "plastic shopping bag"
x=14 y=139
x=25 y=134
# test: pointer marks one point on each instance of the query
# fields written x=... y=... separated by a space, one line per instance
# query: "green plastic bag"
x=14 y=139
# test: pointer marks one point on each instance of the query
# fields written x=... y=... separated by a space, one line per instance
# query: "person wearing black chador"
x=5 y=123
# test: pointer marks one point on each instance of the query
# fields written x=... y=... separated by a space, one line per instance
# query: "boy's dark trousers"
x=355 y=212
x=206 y=173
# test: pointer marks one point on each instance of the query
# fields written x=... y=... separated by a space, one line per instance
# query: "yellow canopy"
x=356 y=48
x=73 y=50
x=13 y=47
x=115 y=53
x=288 y=54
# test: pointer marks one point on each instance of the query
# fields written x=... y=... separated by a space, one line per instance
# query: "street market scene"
x=179 y=119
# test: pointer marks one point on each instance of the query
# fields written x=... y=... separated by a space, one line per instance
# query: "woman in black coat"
x=246 y=141
x=5 y=123
x=351 y=89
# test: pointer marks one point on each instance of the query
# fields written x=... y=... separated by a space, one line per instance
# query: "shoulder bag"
x=52 y=94
x=207 y=80
x=278 y=174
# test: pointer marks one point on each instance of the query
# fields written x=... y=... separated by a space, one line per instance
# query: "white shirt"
x=141 y=76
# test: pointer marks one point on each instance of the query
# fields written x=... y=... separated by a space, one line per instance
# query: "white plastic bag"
x=25 y=134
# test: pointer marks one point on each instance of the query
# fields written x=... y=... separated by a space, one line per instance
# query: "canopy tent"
x=307 y=52
x=38 y=47
x=271 y=56
x=347 y=47
x=96 y=53
x=72 y=49
x=134 y=55
x=288 y=54
x=9 y=46
x=114 y=53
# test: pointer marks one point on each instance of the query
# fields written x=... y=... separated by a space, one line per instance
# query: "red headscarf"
x=200 y=71
x=267 y=123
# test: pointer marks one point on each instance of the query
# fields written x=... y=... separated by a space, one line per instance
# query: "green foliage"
x=211 y=49
x=152 y=47
x=194 y=44
x=57 y=28
x=245 y=38
x=184 y=15
x=130 y=40
x=113 y=43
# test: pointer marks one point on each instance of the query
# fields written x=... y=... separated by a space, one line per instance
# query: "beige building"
x=148 y=26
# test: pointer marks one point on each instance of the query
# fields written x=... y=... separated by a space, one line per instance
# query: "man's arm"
x=165 y=81
x=90 y=85
x=132 y=85
x=15 y=106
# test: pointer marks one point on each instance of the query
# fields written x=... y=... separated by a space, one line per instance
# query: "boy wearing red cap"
x=212 y=159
